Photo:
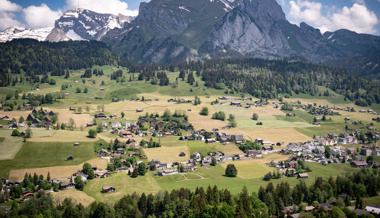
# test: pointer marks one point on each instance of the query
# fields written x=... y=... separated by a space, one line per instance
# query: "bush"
x=255 y=116
x=204 y=111
x=15 y=133
x=92 y=133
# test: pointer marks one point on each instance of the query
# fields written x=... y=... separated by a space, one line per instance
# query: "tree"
x=28 y=133
x=99 y=128
x=122 y=114
x=142 y=169
x=21 y=120
x=204 y=111
x=78 y=90
x=103 y=83
x=92 y=133
x=87 y=169
x=255 y=116
x=327 y=151
x=135 y=173
x=85 y=90
x=79 y=110
x=88 y=109
x=232 y=123
x=79 y=184
x=213 y=162
x=15 y=132
x=231 y=170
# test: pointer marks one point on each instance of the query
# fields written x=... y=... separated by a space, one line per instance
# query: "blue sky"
x=362 y=16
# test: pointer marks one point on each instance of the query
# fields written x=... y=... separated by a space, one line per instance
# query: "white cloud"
x=7 y=20
x=101 y=6
x=40 y=16
x=9 y=6
x=356 y=18
x=7 y=16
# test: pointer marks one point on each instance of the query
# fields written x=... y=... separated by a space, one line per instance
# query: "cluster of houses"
x=293 y=211
x=33 y=120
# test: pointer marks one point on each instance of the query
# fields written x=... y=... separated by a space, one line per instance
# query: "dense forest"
x=213 y=202
x=266 y=79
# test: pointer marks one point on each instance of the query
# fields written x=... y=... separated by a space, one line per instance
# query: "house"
x=116 y=124
x=139 y=110
x=366 y=151
x=351 y=151
x=30 y=117
x=120 y=150
x=76 y=144
x=376 y=152
x=374 y=209
x=115 y=100
x=22 y=134
x=267 y=148
x=100 y=116
x=237 y=137
x=182 y=154
x=197 y=155
x=259 y=140
x=211 y=140
x=108 y=189
x=94 y=167
x=280 y=143
x=259 y=123
x=358 y=164
x=64 y=186
x=235 y=103
x=125 y=134
x=156 y=161
x=88 y=102
x=166 y=172
x=70 y=158
x=254 y=153
x=303 y=176
x=309 y=209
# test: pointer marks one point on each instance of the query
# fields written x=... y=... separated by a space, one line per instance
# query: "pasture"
x=47 y=154
x=9 y=145
x=285 y=135
x=64 y=136
x=56 y=171
x=77 y=197
x=123 y=183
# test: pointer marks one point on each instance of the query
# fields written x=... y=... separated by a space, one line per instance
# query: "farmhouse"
x=64 y=186
x=366 y=151
x=303 y=176
x=76 y=144
x=358 y=164
x=211 y=140
x=100 y=116
x=237 y=137
x=182 y=154
x=70 y=158
x=166 y=172
x=235 y=103
x=108 y=189
x=139 y=110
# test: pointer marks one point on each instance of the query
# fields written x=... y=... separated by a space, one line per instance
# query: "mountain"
x=22 y=33
x=177 y=30
x=167 y=30
x=82 y=24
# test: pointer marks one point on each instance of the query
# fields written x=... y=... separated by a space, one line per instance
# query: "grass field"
x=9 y=145
x=47 y=154
x=123 y=183
x=255 y=168
x=64 y=136
x=75 y=196
x=56 y=171
x=285 y=135
x=168 y=154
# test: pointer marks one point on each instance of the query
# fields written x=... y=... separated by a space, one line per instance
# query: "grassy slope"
x=45 y=154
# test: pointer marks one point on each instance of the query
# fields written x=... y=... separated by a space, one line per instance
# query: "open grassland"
x=255 y=168
x=168 y=154
x=57 y=171
x=373 y=200
x=285 y=135
x=79 y=119
x=267 y=115
x=15 y=114
x=75 y=196
x=64 y=136
x=123 y=183
x=9 y=145
x=47 y=154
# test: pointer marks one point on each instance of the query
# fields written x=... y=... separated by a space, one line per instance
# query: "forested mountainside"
x=258 y=77
x=367 y=66
x=34 y=57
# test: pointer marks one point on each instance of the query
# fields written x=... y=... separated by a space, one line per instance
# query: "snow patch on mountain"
x=22 y=33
